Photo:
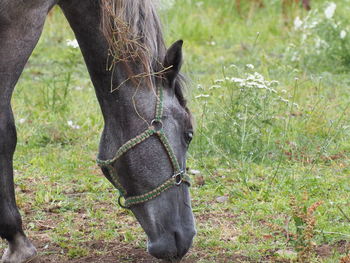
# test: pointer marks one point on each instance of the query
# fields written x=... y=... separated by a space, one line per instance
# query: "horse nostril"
x=172 y=246
x=184 y=241
x=163 y=248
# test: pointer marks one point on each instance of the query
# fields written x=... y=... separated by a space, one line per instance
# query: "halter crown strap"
x=179 y=175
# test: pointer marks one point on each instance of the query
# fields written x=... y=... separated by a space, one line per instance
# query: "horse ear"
x=173 y=61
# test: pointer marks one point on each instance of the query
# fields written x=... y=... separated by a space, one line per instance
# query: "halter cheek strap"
x=156 y=129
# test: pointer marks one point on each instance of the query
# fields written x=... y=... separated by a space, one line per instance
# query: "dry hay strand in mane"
x=133 y=32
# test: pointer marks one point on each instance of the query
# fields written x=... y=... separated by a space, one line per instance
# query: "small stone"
x=222 y=199
x=194 y=172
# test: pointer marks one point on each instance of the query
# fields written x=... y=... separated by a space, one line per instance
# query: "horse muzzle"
x=172 y=246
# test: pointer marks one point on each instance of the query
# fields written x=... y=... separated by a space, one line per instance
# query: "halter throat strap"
x=155 y=129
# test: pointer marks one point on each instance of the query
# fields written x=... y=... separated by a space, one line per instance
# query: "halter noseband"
x=156 y=128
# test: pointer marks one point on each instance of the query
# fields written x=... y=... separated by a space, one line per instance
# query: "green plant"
x=304 y=221
x=322 y=41
x=249 y=115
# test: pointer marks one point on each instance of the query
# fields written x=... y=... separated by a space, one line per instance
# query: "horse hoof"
x=19 y=257
x=22 y=251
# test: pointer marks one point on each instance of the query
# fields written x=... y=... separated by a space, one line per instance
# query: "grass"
x=256 y=150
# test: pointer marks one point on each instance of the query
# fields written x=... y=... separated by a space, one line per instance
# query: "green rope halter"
x=179 y=175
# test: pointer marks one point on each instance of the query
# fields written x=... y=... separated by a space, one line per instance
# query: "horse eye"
x=188 y=136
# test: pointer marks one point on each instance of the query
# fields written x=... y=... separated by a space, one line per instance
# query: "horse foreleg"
x=21 y=23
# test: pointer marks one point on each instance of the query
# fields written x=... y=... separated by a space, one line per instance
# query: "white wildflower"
x=166 y=4
x=237 y=80
x=272 y=90
x=72 y=125
x=284 y=100
x=79 y=88
x=297 y=23
x=199 y=4
x=21 y=121
x=274 y=82
x=72 y=43
x=202 y=96
x=241 y=116
x=335 y=25
x=215 y=87
x=194 y=172
x=295 y=56
x=304 y=37
x=318 y=42
x=314 y=24
x=330 y=10
x=250 y=66
x=342 y=34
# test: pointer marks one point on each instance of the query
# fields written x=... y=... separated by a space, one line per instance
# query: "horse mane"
x=134 y=34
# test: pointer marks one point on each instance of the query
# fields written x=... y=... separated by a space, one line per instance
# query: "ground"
x=269 y=92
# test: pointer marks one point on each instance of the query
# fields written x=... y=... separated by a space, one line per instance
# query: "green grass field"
x=270 y=158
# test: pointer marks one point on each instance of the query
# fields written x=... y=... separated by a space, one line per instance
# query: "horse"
x=147 y=125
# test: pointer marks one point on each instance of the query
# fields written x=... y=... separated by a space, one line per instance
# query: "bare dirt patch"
x=116 y=252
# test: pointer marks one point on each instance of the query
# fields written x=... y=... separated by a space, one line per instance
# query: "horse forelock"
x=134 y=34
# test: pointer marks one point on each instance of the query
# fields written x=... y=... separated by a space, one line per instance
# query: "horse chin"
x=167 y=249
x=170 y=236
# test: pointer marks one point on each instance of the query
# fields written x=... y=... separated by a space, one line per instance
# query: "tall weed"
x=321 y=41
x=242 y=116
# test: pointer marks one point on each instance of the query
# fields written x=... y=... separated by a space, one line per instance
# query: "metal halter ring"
x=157 y=124
x=120 y=202
x=178 y=176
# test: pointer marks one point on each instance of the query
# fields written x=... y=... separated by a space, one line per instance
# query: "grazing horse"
x=147 y=126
